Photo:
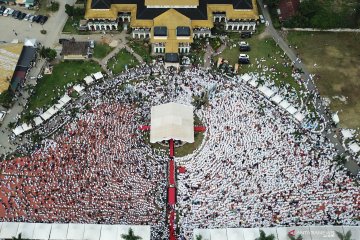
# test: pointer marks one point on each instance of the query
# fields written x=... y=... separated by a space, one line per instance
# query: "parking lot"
x=20 y=29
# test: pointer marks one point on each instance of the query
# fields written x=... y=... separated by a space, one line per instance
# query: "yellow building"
x=171 y=25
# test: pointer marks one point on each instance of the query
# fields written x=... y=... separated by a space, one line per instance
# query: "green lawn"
x=117 y=64
x=51 y=87
x=142 y=48
x=337 y=60
x=71 y=25
x=101 y=50
x=265 y=48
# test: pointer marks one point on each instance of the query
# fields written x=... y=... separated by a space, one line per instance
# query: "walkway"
x=310 y=85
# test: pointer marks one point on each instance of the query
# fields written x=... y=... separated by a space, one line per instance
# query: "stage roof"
x=172 y=121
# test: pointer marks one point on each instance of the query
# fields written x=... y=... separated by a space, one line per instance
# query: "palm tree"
x=264 y=237
x=346 y=236
x=19 y=237
x=299 y=237
x=199 y=237
x=130 y=236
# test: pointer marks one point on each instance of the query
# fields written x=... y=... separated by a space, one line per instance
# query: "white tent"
x=75 y=231
x=299 y=116
x=26 y=230
x=38 y=121
x=251 y=233
x=9 y=229
x=109 y=232
x=59 y=105
x=324 y=232
x=253 y=82
x=282 y=232
x=277 y=99
x=172 y=121
x=235 y=234
x=78 y=88
x=30 y=42
x=18 y=130
x=65 y=99
x=141 y=230
x=92 y=231
x=98 y=75
x=205 y=233
x=46 y=115
x=246 y=77
x=266 y=91
x=42 y=231
x=26 y=127
x=88 y=80
x=291 y=109
x=335 y=118
x=53 y=110
x=346 y=133
x=218 y=234
x=59 y=231
x=284 y=104
x=354 y=147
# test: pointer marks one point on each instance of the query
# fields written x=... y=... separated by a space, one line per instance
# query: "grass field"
x=101 y=50
x=50 y=87
x=71 y=25
x=337 y=60
x=262 y=47
x=117 y=64
x=142 y=48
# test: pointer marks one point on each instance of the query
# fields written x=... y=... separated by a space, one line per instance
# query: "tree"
x=346 y=236
x=69 y=10
x=130 y=236
x=48 y=53
x=199 y=237
x=264 y=237
x=298 y=237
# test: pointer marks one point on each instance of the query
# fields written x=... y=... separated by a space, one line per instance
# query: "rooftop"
x=9 y=56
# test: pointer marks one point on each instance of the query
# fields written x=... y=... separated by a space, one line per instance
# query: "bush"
x=48 y=53
x=43 y=31
x=6 y=98
x=54 y=6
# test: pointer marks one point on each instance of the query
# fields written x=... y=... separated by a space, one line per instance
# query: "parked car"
x=43 y=20
x=22 y=16
x=26 y=18
x=6 y=12
x=11 y=11
x=245 y=35
x=244 y=46
x=2 y=9
x=261 y=18
x=38 y=18
x=244 y=59
x=31 y=18
x=15 y=12
x=2 y=115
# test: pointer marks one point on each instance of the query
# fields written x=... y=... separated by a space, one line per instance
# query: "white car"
x=6 y=12
x=244 y=44
x=26 y=18
x=244 y=56
x=262 y=19
x=10 y=12
x=2 y=115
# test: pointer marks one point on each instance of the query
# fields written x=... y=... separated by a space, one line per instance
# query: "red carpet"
x=182 y=169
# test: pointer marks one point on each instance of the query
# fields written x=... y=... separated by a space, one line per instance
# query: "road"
x=351 y=165
x=24 y=30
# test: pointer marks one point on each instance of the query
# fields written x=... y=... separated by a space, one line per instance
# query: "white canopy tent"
x=26 y=127
x=59 y=105
x=335 y=118
x=235 y=234
x=65 y=99
x=299 y=116
x=172 y=121
x=282 y=232
x=46 y=115
x=18 y=130
x=251 y=233
x=269 y=231
x=218 y=233
x=291 y=109
x=205 y=233
x=75 y=231
x=53 y=110
x=109 y=232
x=354 y=147
x=38 y=121
x=277 y=99
x=92 y=231
x=346 y=133
x=253 y=82
x=30 y=42
x=26 y=230
x=98 y=75
x=9 y=229
x=246 y=77
x=59 y=231
x=42 y=231
x=141 y=230
x=284 y=104
x=88 y=80
x=78 y=88
x=266 y=91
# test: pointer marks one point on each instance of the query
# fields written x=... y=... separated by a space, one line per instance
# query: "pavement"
x=351 y=165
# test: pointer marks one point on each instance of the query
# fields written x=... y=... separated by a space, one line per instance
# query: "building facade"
x=171 y=25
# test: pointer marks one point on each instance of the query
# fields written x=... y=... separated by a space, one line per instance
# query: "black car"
x=2 y=9
x=22 y=16
x=37 y=18
x=245 y=35
x=14 y=13
x=43 y=20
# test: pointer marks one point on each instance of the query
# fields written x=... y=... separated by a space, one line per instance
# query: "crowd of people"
x=251 y=170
